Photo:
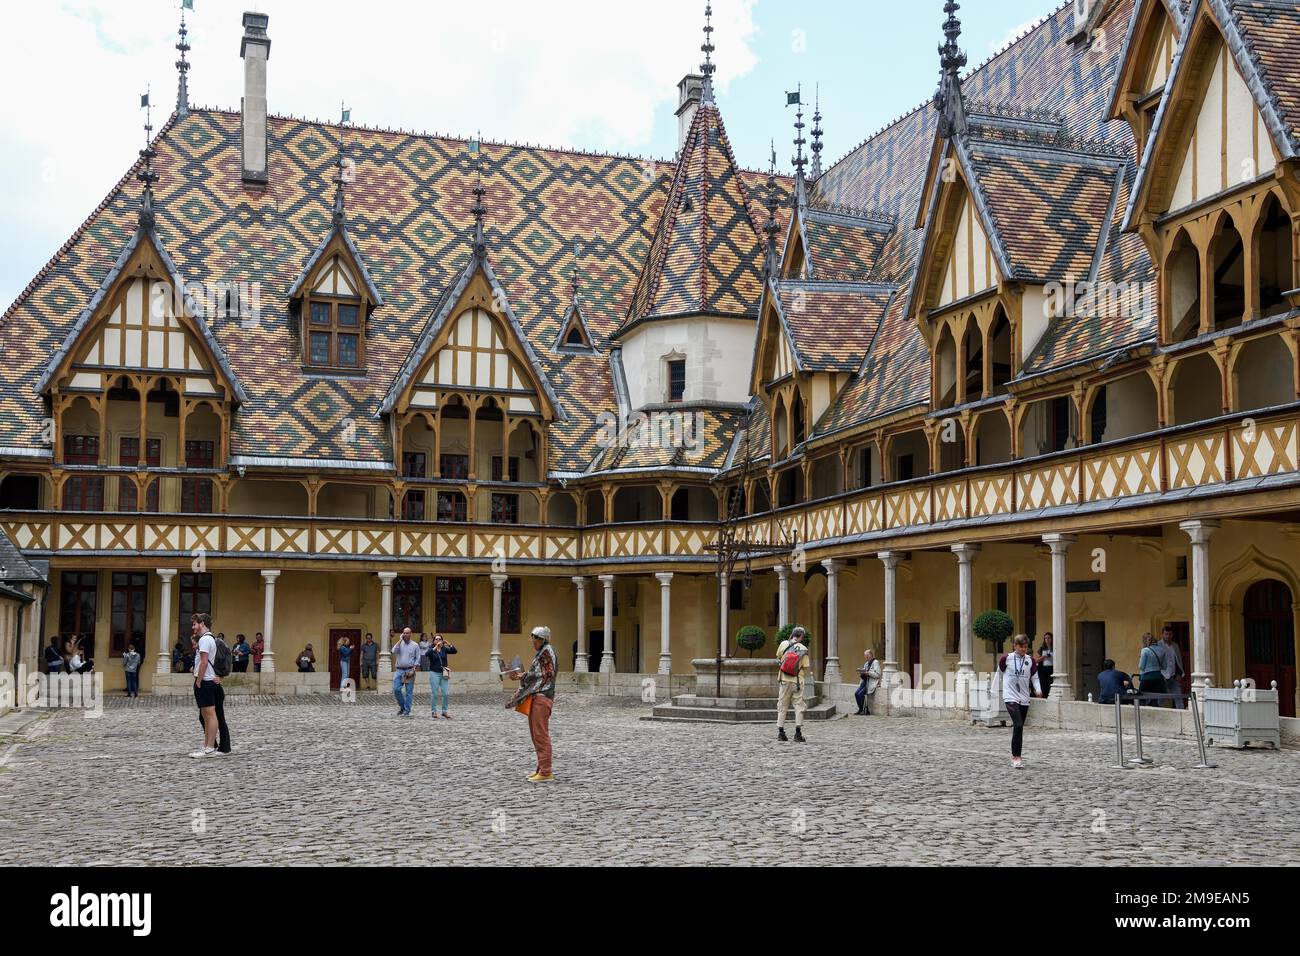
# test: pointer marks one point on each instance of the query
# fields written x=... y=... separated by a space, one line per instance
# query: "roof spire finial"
x=146 y=175
x=948 y=100
x=342 y=173
x=577 y=251
x=771 y=228
x=476 y=150
x=183 y=65
x=799 y=161
x=817 y=134
x=707 y=68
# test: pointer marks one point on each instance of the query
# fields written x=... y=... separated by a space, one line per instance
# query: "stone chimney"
x=255 y=50
x=689 y=91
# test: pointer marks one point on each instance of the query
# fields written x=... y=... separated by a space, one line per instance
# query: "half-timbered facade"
x=1034 y=346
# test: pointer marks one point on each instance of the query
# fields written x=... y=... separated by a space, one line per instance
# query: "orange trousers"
x=539 y=726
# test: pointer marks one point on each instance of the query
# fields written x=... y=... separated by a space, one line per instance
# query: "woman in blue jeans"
x=439 y=675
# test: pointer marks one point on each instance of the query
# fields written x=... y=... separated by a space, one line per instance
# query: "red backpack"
x=792 y=658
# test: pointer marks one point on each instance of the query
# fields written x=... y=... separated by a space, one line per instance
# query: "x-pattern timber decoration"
x=950 y=501
x=1195 y=461
x=1122 y=474
x=1264 y=450
x=991 y=496
x=1048 y=486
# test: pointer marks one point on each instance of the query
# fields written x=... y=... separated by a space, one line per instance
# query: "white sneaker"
x=205 y=752
x=1017 y=763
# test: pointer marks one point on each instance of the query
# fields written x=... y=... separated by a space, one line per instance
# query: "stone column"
x=1060 y=544
x=607 y=654
x=580 y=658
x=724 y=611
x=966 y=652
x=831 y=673
x=165 y=622
x=1200 y=531
x=665 y=622
x=889 y=670
x=782 y=595
x=268 y=621
x=494 y=658
x=385 y=668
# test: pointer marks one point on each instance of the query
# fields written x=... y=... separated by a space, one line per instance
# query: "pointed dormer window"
x=334 y=320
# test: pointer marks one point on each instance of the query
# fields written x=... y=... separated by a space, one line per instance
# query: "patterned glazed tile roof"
x=831 y=325
x=14 y=568
x=659 y=239
x=671 y=438
x=706 y=255
x=1042 y=73
x=895 y=375
x=1049 y=204
x=842 y=247
x=408 y=213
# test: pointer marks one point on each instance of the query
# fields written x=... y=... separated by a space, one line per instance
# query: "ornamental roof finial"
x=183 y=65
x=948 y=100
x=146 y=175
x=707 y=68
x=476 y=150
x=817 y=134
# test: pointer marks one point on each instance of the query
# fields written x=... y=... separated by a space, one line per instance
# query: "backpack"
x=792 y=658
x=223 y=660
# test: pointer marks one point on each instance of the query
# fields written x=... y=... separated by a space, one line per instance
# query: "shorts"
x=205 y=694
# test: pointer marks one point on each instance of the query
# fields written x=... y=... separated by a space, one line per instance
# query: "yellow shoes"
x=538 y=778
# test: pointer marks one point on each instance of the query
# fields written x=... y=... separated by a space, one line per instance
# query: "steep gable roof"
x=142 y=241
x=1268 y=28
x=842 y=245
x=449 y=306
x=831 y=324
x=706 y=256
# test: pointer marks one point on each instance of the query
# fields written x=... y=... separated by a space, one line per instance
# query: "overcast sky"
x=597 y=74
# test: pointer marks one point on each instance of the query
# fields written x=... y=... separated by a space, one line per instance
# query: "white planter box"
x=986 y=705
x=1240 y=715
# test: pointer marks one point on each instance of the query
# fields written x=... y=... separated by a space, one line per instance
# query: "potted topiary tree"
x=751 y=638
x=994 y=627
x=784 y=634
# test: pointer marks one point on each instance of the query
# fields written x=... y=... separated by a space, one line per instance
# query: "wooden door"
x=353 y=634
x=1270 y=640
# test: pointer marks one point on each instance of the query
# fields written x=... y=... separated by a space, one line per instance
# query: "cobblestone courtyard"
x=321 y=782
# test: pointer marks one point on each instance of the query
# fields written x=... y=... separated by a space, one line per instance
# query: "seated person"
x=1112 y=682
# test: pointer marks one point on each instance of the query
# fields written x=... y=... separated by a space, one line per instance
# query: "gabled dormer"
x=1145 y=63
x=141 y=382
x=1215 y=200
x=140 y=321
x=334 y=296
x=574 y=335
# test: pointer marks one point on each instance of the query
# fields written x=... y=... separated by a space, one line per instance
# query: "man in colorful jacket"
x=537 y=693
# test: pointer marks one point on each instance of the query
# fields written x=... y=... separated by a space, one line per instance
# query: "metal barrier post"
x=1200 y=735
x=1119 y=733
x=1139 y=760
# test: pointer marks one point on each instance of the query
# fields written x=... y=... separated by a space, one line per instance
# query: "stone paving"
x=317 y=781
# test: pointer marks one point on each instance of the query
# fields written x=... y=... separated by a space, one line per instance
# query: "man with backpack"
x=793 y=670
x=213 y=661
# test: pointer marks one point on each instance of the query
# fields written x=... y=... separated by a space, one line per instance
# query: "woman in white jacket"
x=1019 y=682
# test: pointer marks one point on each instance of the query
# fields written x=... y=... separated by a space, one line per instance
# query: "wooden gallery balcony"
x=1230 y=466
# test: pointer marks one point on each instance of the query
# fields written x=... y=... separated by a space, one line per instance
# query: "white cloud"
x=1014 y=34
x=590 y=73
